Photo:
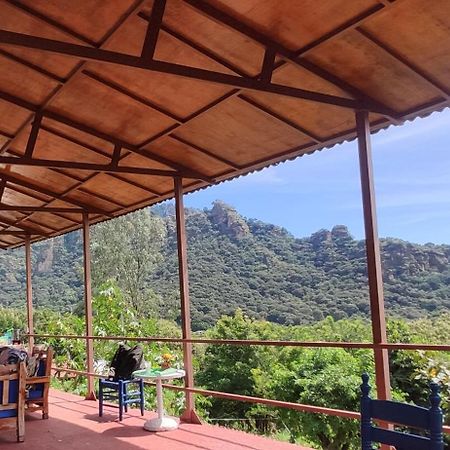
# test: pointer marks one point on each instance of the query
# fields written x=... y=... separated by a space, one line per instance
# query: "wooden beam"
x=33 y=136
x=268 y=65
x=88 y=307
x=154 y=25
x=189 y=414
x=113 y=167
x=21 y=234
x=251 y=84
x=374 y=269
x=2 y=188
x=49 y=209
x=29 y=287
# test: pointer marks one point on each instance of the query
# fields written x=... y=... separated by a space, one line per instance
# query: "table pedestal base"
x=163 y=424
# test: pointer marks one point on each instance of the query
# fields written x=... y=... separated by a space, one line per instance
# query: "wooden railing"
x=276 y=343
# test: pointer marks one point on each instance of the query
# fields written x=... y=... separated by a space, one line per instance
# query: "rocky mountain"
x=259 y=267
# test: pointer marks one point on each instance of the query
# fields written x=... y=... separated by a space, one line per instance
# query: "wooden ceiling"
x=103 y=103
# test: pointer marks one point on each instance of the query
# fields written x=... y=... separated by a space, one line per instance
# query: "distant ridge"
x=259 y=267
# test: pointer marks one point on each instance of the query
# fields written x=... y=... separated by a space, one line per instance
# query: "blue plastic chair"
x=123 y=392
x=397 y=413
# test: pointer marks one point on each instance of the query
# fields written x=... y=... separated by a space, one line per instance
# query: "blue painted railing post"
x=436 y=436
x=366 y=423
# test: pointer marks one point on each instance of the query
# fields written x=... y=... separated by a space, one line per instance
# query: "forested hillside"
x=238 y=262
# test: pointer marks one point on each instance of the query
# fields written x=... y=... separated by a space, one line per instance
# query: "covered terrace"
x=108 y=107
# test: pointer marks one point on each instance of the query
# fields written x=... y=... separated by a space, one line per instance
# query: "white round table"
x=162 y=422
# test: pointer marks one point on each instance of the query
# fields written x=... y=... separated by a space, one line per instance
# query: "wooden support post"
x=189 y=414
x=30 y=323
x=373 y=255
x=90 y=395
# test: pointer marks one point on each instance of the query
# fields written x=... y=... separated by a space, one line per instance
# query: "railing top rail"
x=275 y=343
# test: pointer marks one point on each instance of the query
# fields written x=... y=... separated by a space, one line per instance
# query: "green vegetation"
x=234 y=263
x=328 y=377
x=248 y=280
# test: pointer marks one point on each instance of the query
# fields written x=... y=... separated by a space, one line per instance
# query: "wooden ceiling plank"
x=13 y=233
x=31 y=194
x=117 y=87
x=32 y=66
x=75 y=141
x=39 y=224
x=134 y=183
x=105 y=198
x=15 y=180
x=281 y=118
x=205 y=151
x=53 y=23
x=6 y=135
x=346 y=26
x=396 y=55
x=25 y=228
x=203 y=50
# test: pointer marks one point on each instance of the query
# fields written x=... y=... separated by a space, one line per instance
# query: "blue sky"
x=412 y=181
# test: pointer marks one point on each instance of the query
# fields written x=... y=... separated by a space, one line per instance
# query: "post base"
x=91 y=396
x=191 y=417
x=163 y=424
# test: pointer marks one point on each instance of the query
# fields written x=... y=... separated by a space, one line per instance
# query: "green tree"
x=127 y=250
x=229 y=368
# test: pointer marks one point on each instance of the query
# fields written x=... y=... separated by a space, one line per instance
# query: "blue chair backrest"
x=429 y=420
x=9 y=385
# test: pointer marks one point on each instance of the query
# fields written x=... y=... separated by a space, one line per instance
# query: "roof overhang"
x=104 y=104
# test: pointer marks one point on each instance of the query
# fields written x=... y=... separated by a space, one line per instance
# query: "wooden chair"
x=38 y=386
x=12 y=399
x=397 y=413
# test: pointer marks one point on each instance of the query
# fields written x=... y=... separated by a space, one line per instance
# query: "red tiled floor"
x=74 y=424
